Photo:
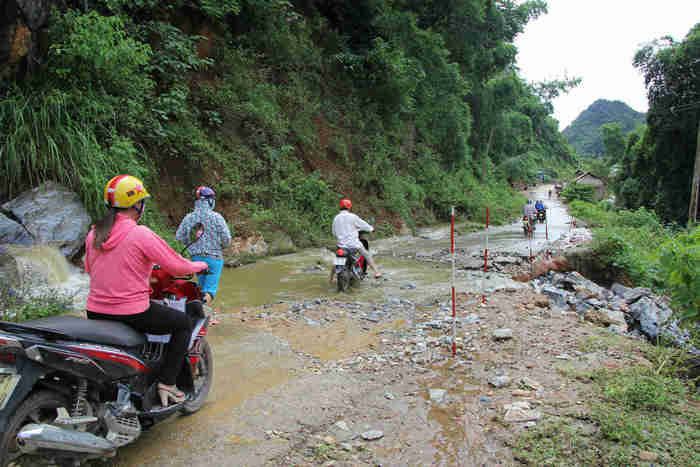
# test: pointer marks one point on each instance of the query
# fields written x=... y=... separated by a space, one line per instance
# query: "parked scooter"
x=73 y=389
x=350 y=265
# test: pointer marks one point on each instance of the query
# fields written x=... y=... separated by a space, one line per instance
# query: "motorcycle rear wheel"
x=40 y=407
x=343 y=280
x=205 y=376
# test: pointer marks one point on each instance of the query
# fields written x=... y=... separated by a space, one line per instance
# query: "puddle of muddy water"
x=293 y=278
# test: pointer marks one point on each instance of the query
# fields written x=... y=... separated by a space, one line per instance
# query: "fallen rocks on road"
x=621 y=309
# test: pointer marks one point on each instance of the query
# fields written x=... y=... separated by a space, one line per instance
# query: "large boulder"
x=630 y=295
x=13 y=232
x=54 y=215
x=649 y=316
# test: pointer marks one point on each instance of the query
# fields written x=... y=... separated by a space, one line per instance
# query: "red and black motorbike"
x=73 y=389
x=350 y=265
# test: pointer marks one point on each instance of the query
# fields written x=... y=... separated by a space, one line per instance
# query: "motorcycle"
x=350 y=265
x=73 y=389
x=542 y=216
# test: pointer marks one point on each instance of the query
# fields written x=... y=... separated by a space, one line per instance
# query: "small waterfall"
x=43 y=271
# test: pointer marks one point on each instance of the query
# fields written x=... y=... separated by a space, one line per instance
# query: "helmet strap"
x=140 y=209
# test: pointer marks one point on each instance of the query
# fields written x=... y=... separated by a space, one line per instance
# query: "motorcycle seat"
x=95 y=331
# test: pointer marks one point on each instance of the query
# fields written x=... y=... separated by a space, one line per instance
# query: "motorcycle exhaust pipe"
x=35 y=437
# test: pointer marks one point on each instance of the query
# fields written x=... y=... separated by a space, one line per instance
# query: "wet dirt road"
x=277 y=383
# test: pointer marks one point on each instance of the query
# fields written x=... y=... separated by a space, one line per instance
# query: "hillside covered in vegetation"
x=584 y=133
x=281 y=106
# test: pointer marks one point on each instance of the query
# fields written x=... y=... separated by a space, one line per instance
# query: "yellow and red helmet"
x=345 y=203
x=123 y=191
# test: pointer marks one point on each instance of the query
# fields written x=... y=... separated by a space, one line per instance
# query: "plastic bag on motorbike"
x=175 y=304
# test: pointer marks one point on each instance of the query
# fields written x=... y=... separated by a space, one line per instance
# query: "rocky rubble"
x=621 y=309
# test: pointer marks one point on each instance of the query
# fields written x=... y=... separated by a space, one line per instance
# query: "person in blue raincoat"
x=209 y=247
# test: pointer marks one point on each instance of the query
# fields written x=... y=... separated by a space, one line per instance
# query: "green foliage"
x=613 y=140
x=418 y=109
x=220 y=8
x=47 y=135
x=627 y=240
x=632 y=410
x=90 y=51
x=661 y=161
x=584 y=133
x=578 y=192
x=680 y=266
x=643 y=390
x=217 y=9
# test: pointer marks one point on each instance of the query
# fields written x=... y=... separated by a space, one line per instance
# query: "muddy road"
x=304 y=376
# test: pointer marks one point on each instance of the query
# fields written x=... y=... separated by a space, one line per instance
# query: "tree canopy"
x=658 y=165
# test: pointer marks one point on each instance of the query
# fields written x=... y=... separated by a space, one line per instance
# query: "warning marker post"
x=454 y=295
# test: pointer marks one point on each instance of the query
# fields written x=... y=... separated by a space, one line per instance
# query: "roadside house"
x=588 y=178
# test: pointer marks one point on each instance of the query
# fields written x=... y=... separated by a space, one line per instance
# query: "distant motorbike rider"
x=119 y=257
x=530 y=211
x=346 y=228
x=209 y=248
x=541 y=209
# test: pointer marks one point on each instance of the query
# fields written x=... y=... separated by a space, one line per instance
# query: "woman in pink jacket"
x=119 y=257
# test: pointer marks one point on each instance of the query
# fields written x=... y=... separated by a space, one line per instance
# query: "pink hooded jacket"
x=120 y=271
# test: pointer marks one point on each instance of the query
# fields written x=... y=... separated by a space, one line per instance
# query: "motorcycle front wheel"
x=40 y=407
x=203 y=377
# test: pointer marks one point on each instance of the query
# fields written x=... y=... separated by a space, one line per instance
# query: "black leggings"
x=160 y=319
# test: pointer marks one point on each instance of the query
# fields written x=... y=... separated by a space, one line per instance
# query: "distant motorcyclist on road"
x=530 y=211
x=209 y=248
x=539 y=205
x=346 y=228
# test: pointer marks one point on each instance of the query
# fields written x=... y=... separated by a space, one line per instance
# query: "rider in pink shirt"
x=119 y=257
x=120 y=270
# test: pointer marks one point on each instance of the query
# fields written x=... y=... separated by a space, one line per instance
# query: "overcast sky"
x=596 y=40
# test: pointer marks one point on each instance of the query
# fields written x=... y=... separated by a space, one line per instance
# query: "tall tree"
x=672 y=76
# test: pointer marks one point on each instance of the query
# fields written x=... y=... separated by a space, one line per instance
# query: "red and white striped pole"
x=454 y=295
x=486 y=256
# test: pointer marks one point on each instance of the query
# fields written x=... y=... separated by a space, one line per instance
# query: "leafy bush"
x=91 y=51
x=578 y=191
x=680 y=263
x=627 y=240
x=48 y=135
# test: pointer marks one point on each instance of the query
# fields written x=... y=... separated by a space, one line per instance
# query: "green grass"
x=634 y=410
x=50 y=135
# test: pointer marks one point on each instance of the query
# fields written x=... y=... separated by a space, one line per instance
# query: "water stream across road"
x=304 y=275
x=254 y=358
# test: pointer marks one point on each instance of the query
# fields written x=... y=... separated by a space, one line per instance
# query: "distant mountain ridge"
x=584 y=132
